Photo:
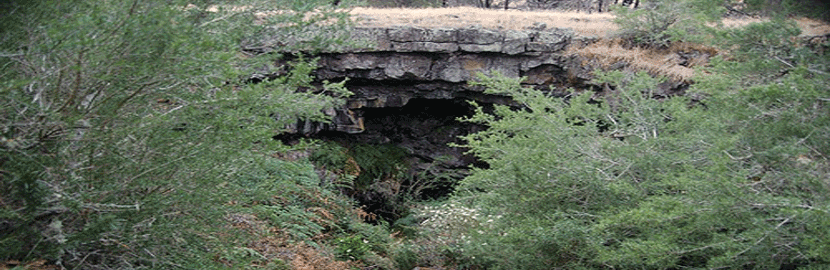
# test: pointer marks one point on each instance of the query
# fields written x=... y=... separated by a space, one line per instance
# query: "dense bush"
x=811 y=8
x=130 y=140
x=737 y=180
x=658 y=23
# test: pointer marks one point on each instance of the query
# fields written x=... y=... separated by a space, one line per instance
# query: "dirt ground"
x=595 y=24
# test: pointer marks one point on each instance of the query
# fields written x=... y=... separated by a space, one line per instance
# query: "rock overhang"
x=387 y=67
x=451 y=55
x=449 y=40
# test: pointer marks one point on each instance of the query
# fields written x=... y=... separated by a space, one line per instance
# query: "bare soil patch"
x=597 y=24
x=809 y=27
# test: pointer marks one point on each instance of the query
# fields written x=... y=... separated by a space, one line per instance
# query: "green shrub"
x=658 y=23
x=736 y=180
x=635 y=182
x=128 y=133
x=379 y=162
x=809 y=8
x=352 y=247
x=405 y=257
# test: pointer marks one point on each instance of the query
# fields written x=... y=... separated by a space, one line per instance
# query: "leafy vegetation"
x=737 y=180
x=131 y=138
x=372 y=174
x=810 y=8
x=659 y=23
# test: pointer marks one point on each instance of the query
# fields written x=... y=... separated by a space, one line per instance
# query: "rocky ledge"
x=445 y=55
x=436 y=55
x=388 y=67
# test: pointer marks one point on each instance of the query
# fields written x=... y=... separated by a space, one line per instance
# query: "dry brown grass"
x=298 y=255
x=598 y=24
x=809 y=27
x=274 y=245
x=39 y=264
x=664 y=62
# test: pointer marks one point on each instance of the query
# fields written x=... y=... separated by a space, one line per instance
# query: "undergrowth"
x=130 y=139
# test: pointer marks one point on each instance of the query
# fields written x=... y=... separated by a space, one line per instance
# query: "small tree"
x=121 y=118
x=647 y=183
x=658 y=23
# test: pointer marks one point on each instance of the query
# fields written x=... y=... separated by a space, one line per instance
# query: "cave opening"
x=404 y=154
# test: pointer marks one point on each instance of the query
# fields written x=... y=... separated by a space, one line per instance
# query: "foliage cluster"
x=130 y=140
x=658 y=23
x=381 y=178
x=737 y=180
x=811 y=8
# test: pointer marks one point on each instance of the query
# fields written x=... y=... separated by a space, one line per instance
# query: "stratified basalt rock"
x=449 y=40
x=428 y=55
x=387 y=67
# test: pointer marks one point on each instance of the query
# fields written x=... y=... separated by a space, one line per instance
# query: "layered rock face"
x=446 y=55
x=388 y=67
